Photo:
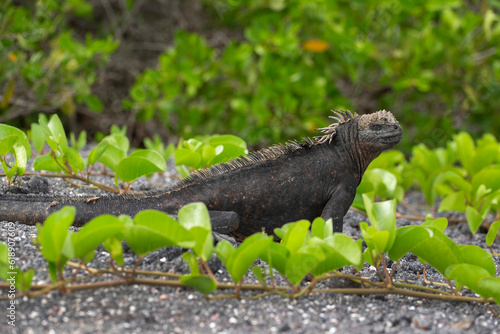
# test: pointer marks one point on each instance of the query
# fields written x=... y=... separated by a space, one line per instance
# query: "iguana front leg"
x=339 y=203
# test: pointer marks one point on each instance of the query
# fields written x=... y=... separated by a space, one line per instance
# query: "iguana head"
x=376 y=132
x=363 y=137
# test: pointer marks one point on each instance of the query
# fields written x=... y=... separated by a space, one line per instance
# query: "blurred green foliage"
x=435 y=63
x=42 y=66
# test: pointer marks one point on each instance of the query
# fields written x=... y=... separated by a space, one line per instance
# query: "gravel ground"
x=149 y=309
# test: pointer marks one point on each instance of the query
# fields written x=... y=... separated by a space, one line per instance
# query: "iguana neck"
x=348 y=138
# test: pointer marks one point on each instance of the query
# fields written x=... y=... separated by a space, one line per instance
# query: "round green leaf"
x=276 y=255
x=243 y=257
x=233 y=147
x=95 y=232
x=426 y=242
x=184 y=156
x=203 y=284
x=477 y=256
x=111 y=156
x=7 y=130
x=53 y=233
x=7 y=143
x=154 y=229
x=299 y=264
x=140 y=163
x=46 y=162
x=469 y=275
x=194 y=214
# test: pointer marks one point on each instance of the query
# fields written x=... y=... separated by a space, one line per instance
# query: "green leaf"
x=453 y=202
x=439 y=223
x=458 y=181
x=114 y=246
x=192 y=261
x=224 y=251
x=74 y=159
x=381 y=214
x=7 y=130
x=204 y=246
x=26 y=278
x=53 y=234
x=296 y=235
x=94 y=233
x=466 y=150
x=380 y=236
x=340 y=250
x=207 y=155
x=491 y=286
x=477 y=256
x=474 y=219
x=79 y=143
x=203 y=284
x=184 y=156
x=239 y=261
x=233 y=147
x=194 y=214
x=322 y=229
x=38 y=137
x=276 y=255
x=46 y=162
x=140 y=163
x=260 y=274
x=426 y=242
x=7 y=143
x=481 y=192
x=9 y=173
x=469 y=275
x=152 y=230
x=382 y=182
x=20 y=149
x=94 y=103
x=118 y=138
x=195 y=218
x=300 y=263
x=22 y=280
x=489 y=177
x=378 y=241
x=111 y=156
x=492 y=233
x=97 y=152
x=57 y=131
x=4 y=261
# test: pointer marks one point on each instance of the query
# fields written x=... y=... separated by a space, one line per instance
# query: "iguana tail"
x=32 y=209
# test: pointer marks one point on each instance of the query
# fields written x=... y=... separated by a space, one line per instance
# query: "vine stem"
x=41 y=289
x=388 y=277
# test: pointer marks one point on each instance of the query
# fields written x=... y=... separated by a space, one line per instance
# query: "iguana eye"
x=376 y=127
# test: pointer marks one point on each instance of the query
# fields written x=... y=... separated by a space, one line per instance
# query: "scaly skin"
x=263 y=191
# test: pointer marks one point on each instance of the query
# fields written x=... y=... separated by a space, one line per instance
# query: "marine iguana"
x=261 y=191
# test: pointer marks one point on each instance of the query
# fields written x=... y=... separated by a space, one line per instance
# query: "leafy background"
x=266 y=70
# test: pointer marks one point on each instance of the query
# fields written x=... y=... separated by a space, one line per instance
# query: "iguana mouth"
x=393 y=137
